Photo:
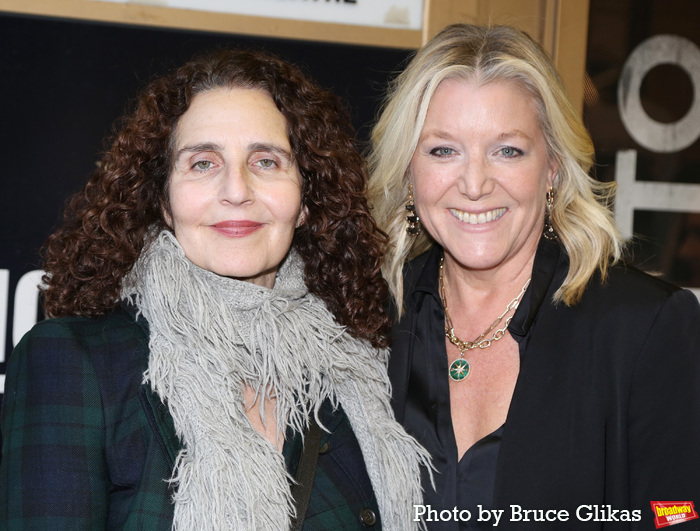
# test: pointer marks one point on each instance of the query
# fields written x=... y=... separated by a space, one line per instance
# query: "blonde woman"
x=540 y=371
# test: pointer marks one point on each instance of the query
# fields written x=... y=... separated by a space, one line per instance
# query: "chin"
x=225 y=270
x=480 y=265
x=477 y=256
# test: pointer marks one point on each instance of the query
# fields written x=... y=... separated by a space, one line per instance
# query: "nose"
x=475 y=178
x=236 y=186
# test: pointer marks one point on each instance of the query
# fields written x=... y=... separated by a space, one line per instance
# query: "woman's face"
x=481 y=173
x=235 y=189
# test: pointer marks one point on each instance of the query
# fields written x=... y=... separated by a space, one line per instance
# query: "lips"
x=236 y=228
x=480 y=218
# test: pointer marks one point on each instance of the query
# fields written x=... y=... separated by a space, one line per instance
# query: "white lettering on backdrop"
x=25 y=311
x=653 y=135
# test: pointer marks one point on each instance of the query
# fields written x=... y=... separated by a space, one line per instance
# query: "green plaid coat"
x=87 y=445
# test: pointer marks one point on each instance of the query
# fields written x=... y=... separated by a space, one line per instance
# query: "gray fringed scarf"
x=208 y=336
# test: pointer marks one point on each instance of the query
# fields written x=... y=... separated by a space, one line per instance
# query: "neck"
x=484 y=288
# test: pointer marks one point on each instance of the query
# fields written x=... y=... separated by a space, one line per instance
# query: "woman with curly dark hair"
x=217 y=317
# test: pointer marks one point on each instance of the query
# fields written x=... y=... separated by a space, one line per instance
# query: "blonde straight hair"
x=581 y=212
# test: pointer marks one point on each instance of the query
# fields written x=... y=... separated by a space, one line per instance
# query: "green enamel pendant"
x=459 y=369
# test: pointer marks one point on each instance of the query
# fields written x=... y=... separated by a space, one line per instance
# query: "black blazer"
x=606 y=408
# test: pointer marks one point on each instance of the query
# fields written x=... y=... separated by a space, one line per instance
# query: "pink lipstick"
x=237 y=228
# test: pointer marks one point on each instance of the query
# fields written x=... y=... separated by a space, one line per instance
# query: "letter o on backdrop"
x=653 y=135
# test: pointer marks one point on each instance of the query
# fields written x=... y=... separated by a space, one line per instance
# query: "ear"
x=303 y=215
x=167 y=216
x=552 y=174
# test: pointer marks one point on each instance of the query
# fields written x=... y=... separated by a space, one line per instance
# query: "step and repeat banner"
x=63 y=85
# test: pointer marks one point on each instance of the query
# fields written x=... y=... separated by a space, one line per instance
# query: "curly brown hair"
x=106 y=225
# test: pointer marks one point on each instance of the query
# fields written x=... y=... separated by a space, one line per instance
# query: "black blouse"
x=465 y=484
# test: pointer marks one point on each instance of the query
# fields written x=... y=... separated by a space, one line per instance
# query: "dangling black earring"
x=412 y=218
x=549 y=231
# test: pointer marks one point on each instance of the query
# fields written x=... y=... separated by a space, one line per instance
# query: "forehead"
x=469 y=90
x=469 y=104
x=232 y=113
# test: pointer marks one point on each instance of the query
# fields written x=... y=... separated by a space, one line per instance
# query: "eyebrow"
x=272 y=148
x=513 y=134
x=255 y=146
x=438 y=133
x=444 y=135
x=197 y=148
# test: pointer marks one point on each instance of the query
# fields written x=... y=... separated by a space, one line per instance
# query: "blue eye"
x=442 y=151
x=510 y=152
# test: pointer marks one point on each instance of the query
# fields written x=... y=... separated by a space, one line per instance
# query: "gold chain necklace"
x=460 y=368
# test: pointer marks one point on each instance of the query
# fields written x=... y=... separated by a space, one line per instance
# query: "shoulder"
x=632 y=307
x=114 y=328
x=82 y=345
x=627 y=286
x=413 y=270
x=420 y=274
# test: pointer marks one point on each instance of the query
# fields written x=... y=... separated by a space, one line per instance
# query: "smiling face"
x=234 y=190
x=481 y=173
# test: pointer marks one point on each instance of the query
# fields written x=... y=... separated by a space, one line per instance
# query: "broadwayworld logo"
x=670 y=513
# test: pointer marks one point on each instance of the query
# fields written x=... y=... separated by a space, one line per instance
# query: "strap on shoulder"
x=301 y=490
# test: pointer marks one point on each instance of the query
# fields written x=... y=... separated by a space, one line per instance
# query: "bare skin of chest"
x=267 y=427
x=479 y=404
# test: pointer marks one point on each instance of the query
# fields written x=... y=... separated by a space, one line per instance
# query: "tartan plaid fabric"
x=87 y=446
x=342 y=493
x=78 y=449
